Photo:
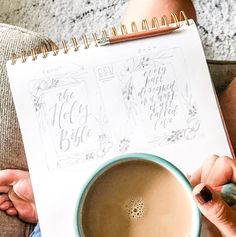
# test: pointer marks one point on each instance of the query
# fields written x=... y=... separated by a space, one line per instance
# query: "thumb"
x=215 y=209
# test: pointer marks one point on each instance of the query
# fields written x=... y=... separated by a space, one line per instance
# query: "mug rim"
x=196 y=228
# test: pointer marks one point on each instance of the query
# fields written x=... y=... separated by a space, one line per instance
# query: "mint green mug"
x=137 y=195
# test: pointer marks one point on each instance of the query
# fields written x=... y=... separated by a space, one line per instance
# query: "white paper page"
x=79 y=110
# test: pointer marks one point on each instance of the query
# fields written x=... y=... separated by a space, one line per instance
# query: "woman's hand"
x=219 y=219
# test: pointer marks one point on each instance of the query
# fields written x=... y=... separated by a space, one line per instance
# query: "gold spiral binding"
x=33 y=54
x=65 y=46
x=155 y=23
x=75 y=44
x=114 y=31
x=104 y=35
x=23 y=56
x=44 y=51
x=145 y=25
x=55 y=49
x=95 y=38
x=85 y=41
x=134 y=27
x=164 y=21
x=175 y=19
x=182 y=16
x=123 y=29
x=13 y=58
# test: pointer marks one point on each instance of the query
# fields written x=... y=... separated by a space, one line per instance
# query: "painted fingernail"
x=204 y=196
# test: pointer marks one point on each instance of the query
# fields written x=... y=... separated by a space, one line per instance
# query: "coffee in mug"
x=135 y=198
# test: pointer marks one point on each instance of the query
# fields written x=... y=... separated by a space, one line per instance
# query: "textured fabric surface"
x=222 y=73
x=63 y=19
x=36 y=232
x=12 y=227
x=12 y=39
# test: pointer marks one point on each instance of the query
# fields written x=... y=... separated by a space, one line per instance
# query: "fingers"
x=222 y=172
x=6 y=205
x=4 y=189
x=207 y=167
x=8 y=177
x=215 y=209
x=202 y=173
x=5 y=202
x=26 y=209
x=3 y=198
x=23 y=190
x=11 y=211
x=215 y=171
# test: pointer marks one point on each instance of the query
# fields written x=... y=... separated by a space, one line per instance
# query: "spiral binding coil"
x=55 y=49
x=134 y=27
x=164 y=21
x=95 y=38
x=114 y=31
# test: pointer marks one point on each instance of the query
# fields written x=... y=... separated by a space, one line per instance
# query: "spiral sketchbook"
x=143 y=91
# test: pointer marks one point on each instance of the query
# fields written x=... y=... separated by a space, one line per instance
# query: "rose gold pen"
x=137 y=35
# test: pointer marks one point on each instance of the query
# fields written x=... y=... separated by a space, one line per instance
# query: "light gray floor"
x=63 y=19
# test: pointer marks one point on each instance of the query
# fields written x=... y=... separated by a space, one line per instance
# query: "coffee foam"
x=134 y=208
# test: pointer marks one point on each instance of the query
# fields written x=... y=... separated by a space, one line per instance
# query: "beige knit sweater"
x=12 y=39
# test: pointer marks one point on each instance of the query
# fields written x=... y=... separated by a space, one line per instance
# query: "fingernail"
x=204 y=196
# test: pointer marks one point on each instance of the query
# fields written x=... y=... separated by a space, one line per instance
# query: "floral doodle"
x=127 y=81
x=124 y=145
